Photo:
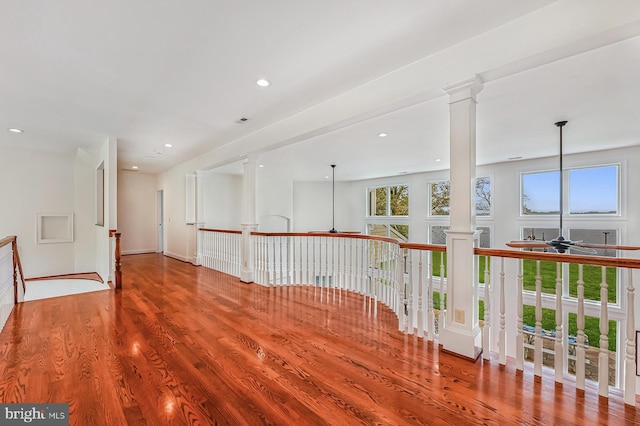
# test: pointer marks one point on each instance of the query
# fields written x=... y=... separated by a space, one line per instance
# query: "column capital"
x=250 y=158
x=467 y=89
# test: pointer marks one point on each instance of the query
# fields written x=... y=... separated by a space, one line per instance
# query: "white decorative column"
x=248 y=218
x=461 y=332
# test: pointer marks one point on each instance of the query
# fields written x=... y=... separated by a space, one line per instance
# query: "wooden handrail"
x=17 y=265
x=225 y=231
x=620 y=262
x=7 y=240
x=326 y=234
x=428 y=247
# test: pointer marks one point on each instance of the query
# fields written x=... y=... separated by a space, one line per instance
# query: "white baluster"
x=441 y=314
x=409 y=301
x=559 y=352
x=603 y=356
x=430 y=313
x=502 y=335
x=486 y=331
x=537 y=354
x=519 y=333
x=580 y=336
x=377 y=280
x=272 y=263
x=420 y=292
x=630 y=345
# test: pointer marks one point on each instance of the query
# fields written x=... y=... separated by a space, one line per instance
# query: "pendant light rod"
x=561 y=124
x=333 y=200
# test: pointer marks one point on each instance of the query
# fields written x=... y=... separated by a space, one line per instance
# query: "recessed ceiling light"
x=437 y=159
x=14 y=130
x=263 y=82
x=261 y=165
x=134 y=167
x=382 y=135
x=326 y=177
x=168 y=145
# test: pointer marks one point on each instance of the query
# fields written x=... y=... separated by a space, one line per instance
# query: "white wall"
x=33 y=182
x=137 y=212
x=312 y=207
x=222 y=200
x=178 y=236
x=85 y=211
x=47 y=182
x=274 y=202
x=103 y=248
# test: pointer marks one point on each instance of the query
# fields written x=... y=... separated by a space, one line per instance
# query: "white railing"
x=557 y=342
x=411 y=280
x=220 y=250
x=356 y=263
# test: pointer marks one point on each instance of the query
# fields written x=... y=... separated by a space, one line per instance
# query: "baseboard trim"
x=143 y=251
x=177 y=256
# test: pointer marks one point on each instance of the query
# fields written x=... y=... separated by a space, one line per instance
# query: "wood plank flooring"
x=184 y=345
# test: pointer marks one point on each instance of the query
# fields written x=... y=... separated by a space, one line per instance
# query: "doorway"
x=160 y=220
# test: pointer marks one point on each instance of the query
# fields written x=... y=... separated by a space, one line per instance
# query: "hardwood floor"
x=186 y=345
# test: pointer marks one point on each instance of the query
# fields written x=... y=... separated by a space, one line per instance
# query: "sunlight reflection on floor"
x=44 y=289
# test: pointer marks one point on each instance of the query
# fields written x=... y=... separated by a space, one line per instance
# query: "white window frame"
x=566 y=192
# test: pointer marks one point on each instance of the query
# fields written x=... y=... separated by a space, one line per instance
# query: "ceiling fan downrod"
x=333 y=200
x=561 y=124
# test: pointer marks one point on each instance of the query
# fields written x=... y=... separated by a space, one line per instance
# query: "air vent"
x=242 y=120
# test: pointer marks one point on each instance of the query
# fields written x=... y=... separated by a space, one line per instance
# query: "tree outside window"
x=440 y=197
x=389 y=201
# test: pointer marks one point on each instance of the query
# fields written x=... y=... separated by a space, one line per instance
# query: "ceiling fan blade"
x=527 y=244
x=582 y=249
x=607 y=246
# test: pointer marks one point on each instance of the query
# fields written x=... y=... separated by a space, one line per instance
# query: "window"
x=395 y=231
x=593 y=190
x=388 y=201
x=592 y=275
x=483 y=196
x=540 y=193
x=440 y=193
x=590 y=190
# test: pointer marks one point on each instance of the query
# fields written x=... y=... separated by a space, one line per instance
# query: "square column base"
x=460 y=342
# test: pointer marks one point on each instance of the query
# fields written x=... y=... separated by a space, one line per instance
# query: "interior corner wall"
x=222 y=200
x=274 y=201
x=85 y=216
x=103 y=254
x=177 y=234
x=137 y=212
x=35 y=182
x=313 y=207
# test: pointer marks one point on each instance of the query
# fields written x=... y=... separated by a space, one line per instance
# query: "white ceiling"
x=150 y=72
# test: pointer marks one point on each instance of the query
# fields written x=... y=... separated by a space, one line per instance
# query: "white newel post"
x=461 y=331
x=248 y=218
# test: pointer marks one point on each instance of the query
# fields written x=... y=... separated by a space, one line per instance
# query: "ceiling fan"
x=333 y=206
x=560 y=244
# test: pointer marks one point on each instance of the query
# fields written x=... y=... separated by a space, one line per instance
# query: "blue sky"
x=591 y=189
